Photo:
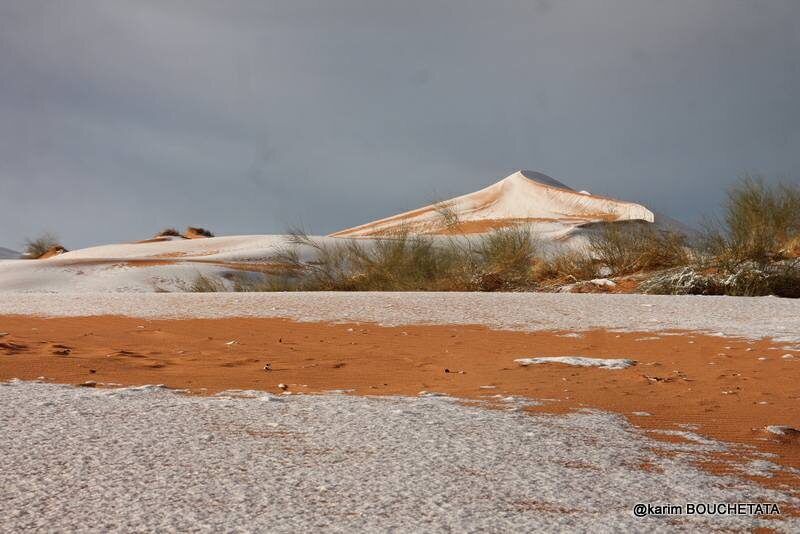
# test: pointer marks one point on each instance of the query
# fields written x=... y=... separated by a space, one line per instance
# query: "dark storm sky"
x=120 y=118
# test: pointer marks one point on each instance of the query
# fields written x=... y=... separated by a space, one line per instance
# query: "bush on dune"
x=449 y=218
x=42 y=245
x=191 y=232
x=168 y=232
x=196 y=231
x=501 y=260
x=399 y=263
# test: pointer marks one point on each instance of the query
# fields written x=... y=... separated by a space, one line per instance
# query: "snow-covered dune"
x=524 y=197
x=166 y=264
x=557 y=215
x=159 y=264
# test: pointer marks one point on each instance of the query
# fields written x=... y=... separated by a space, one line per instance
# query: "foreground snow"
x=146 y=459
x=747 y=317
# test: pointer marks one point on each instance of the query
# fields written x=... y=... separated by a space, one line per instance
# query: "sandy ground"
x=699 y=404
x=728 y=389
x=753 y=318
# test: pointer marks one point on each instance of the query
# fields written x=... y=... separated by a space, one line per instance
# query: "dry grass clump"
x=564 y=267
x=449 y=218
x=207 y=284
x=753 y=251
x=628 y=248
x=192 y=232
x=501 y=260
x=505 y=259
x=196 y=231
x=400 y=263
x=42 y=245
x=168 y=232
x=761 y=224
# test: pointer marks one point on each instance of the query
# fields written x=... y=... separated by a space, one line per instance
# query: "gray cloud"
x=117 y=119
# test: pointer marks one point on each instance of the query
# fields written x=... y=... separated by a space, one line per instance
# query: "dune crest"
x=524 y=197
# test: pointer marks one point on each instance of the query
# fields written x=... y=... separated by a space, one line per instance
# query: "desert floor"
x=394 y=411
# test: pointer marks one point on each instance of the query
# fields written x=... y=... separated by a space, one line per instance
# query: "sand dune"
x=163 y=264
x=524 y=197
x=558 y=215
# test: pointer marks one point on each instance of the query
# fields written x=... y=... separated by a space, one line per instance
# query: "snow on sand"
x=147 y=459
x=747 y=317
x=579 y=361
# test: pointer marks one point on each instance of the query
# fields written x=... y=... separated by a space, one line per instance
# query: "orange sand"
x=718 y=384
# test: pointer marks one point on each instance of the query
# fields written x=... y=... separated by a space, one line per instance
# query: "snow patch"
x=746 y=317
x=580 y=361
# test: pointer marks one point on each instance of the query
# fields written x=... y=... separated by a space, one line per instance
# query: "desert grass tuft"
x=207 y=284
x=761 y=224
x=632 y=247
x=564 y=267
x=501 y=260
x=449 y=218
x=197 y=231
x=38 y=247
x=168 y=232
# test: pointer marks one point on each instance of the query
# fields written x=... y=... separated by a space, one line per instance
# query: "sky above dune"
x=120 y=118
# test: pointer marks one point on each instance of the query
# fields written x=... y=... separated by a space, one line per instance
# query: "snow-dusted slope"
x=523 y=197
x=167 y=264
x=8 y=254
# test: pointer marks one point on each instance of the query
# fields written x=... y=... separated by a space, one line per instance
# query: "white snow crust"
x=579 y=361
x=748 y=317
x=150 y=460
